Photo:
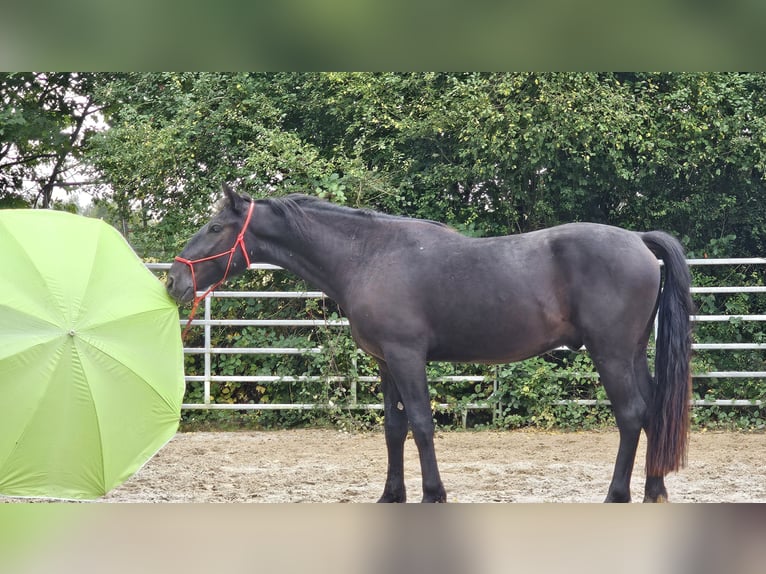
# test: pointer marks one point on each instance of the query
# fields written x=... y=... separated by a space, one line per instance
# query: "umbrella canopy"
x=91 y=360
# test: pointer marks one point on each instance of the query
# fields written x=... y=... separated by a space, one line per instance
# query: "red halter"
x=239 y=243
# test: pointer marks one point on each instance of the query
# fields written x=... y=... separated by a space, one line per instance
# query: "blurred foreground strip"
x=370 y=539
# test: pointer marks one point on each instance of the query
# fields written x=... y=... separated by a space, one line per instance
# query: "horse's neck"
x=325 y=257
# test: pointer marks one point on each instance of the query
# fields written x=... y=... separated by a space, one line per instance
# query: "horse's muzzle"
x=179 y=284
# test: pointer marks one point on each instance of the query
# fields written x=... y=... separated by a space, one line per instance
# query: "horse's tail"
x=668 y=420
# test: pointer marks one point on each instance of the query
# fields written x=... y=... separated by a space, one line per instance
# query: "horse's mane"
x=297 y=205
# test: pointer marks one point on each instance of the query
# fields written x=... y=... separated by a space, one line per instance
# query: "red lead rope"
x=239 y=243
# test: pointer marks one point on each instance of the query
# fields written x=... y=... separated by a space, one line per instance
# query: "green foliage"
x=499 y=153
x=491 y=152
x=176 y=137
x=515 y=152
x=46 y=120
x=533 y=393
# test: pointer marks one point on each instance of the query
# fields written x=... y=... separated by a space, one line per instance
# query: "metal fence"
x=207 y=321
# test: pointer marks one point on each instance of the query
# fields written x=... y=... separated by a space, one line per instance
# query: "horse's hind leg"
x=654 y=489
x=395 y=425
x=629 y=405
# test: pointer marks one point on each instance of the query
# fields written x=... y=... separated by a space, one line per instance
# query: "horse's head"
x=215 y=252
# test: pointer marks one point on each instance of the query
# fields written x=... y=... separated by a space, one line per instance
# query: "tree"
x=45 y=120
x=489 y=153
x=511 y=152
x=174 y=138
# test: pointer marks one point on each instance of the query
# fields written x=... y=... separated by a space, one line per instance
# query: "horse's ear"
x=230 y=195
x=234 y=201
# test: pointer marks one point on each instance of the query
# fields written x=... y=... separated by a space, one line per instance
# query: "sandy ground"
x=520 y=466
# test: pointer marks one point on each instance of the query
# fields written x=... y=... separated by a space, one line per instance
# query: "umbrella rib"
x=138 y=375
x=50 y=338
x=97 y=324
x=102 y=466
x=26 y=313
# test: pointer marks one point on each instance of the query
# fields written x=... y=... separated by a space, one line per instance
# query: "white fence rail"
x=208 y=350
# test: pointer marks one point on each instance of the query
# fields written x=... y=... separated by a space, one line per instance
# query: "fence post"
x=354 y=380
x=208 y=345
x=497 y=411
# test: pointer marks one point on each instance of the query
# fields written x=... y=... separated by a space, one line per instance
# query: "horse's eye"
x=216 y=228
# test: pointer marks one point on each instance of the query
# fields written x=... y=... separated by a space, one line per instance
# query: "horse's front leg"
x=395 y=425
x=408 y=374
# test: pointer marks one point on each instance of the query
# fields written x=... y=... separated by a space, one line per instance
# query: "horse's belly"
x=506 y=344
x=488 y=355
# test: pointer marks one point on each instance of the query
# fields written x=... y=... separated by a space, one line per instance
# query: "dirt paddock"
x=519 y=466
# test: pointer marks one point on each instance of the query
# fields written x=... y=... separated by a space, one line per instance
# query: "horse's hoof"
x=391 y=498
x=659 y=499
x=619 y=497
x=439 y=497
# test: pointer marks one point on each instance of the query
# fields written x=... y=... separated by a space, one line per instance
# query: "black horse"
x=417 y=291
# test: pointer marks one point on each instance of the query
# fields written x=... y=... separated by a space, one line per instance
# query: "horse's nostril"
x=169 y=283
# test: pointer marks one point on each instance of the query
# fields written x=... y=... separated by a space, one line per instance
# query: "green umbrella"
x=91 y=360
